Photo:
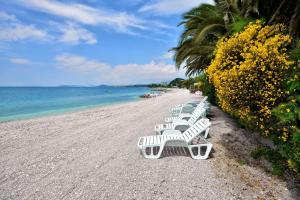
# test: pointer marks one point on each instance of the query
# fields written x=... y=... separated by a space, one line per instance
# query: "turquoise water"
x=27 y=102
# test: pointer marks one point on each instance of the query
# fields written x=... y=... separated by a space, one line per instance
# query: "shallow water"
x=28 y=102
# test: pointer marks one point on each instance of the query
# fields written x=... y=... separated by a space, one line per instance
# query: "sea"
x=27 y=102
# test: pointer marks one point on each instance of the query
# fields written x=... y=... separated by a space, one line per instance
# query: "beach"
x=92 y=154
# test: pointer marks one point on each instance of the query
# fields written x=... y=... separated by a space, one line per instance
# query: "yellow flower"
x=262 y=127
x=249 y=70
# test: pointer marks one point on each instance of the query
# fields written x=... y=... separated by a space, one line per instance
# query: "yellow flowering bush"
x=249 y=70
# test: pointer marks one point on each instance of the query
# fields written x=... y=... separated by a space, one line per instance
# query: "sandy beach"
x=92 y=154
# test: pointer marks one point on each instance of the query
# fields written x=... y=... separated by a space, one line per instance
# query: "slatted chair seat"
x=158 y=139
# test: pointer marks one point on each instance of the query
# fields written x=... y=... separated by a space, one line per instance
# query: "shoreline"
x=71 y=110
x=27 y=103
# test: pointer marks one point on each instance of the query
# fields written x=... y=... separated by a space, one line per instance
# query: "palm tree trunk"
x=294 y=25
x=277 y=12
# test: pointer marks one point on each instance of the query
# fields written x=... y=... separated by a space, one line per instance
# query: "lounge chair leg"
x=197 y=148
x=206 y=133
x=152 y=155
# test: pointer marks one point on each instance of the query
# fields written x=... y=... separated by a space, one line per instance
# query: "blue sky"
x=89 y=42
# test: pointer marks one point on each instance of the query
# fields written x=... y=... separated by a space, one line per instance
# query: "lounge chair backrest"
x=196 y=103
x=202 y=102
x=199 y=112
x=204 y=99
x=196 y=129
x=199 y=106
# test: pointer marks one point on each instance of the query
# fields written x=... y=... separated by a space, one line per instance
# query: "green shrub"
x=206 y=87
x=273 y=156
x=256 y=81
x=287 y=120
x=249 y=71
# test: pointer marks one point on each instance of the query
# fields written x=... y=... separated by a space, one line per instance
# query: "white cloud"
x=69 y=33
x=18 y=31
x=168 y=55
x=19 y=61
x=168 y=7
x=5 y=16
x=80 y=64
x=74 y=34
x=13 y=30
x=119 y=74
x=121 y=21
x=144 y=73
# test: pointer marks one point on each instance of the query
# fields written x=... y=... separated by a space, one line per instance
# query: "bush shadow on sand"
x=236 y=143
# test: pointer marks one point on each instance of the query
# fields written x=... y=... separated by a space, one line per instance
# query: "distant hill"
x=176 y=82
x=70 y=86
x=138 y=85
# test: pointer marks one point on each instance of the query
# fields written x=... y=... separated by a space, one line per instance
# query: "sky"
x=89 y=42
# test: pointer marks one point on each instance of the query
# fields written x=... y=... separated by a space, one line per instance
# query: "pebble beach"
x=92 y=154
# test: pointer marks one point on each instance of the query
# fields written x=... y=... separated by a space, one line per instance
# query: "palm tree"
x=288 y=12
x=203 y=26
x=273 y=11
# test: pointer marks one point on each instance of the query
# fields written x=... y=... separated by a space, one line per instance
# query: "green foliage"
x=286 y=113
x=242 y=162
x=176 y=82
x=273 y=156
x=239 y=24
x=248 y=72
x=287 y=117
x=295 y=53
x=206 y=87
x=188 y=83
x=157 y=85
x=203 y=26
x=274 y=11
x=253 y=74
x=291 y=152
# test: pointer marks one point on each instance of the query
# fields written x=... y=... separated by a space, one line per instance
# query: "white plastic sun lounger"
x=188 y=108
x=152 y=146
x=191 y=103
x=181 y=124
x=184 y=108
x=186 y=116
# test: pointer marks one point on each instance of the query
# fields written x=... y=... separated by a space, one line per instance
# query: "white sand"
x=92 y=154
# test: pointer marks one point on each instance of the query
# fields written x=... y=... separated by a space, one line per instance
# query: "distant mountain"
x=176 y=82
x=71 y=86
x=139 y=85
x=103 y=85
